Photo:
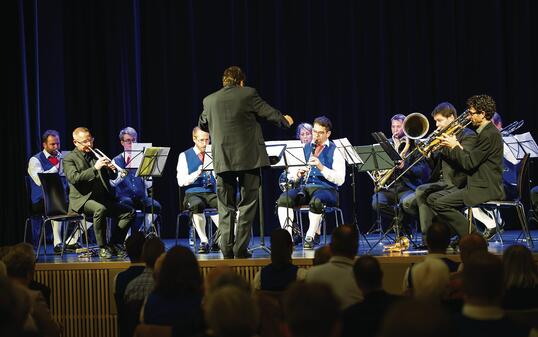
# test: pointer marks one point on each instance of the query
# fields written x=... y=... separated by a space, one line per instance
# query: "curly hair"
x=233 y=76
x=483 y=103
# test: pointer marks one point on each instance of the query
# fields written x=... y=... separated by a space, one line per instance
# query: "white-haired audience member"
x=430 y=279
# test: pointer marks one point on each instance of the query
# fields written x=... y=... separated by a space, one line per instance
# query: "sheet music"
x=294 y=152
x=208 y=159
x=137 y=149
x=516 y=146
x=348 y=152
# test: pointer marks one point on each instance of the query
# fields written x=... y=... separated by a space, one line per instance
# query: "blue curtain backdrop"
x=148 y=64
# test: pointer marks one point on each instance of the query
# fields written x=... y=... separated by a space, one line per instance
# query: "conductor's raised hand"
x=289 y=119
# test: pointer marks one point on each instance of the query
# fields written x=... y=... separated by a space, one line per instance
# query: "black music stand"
x=152 y=166
x=275 y=153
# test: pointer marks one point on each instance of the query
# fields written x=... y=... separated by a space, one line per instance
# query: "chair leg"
x=495 y=212
x=299 y=217
x=42 y=238
x=523 y=220
x=64 y=236
x=470 y=219
x=85 y=226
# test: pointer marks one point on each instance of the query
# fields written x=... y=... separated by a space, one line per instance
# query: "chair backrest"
x=54 y=196
x=523 y=180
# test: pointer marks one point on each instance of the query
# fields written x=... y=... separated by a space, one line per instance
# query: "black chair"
x=517 y=203
x=33 y=214
x=184 y=212
x=56 y=207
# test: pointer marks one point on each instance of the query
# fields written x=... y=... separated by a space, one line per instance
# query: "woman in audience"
x=277 y=275
x=177 y=298
x=520 y=279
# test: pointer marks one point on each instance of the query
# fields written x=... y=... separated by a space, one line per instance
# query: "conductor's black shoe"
x=105 y=253
x=203 y=248
x=489 y=233
x=58 y=249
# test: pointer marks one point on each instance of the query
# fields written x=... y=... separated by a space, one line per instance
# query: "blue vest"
x=37 y=192
x=205 y=182
x=326 y=158
x=277 y=279
x=131 y=186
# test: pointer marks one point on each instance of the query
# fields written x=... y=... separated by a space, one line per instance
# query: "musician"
x=327 y=172
x=132 y=191
x=200 y=186
x=304 y=134
x=388 y=200
x=49 y=161
x=484 y=162
x=447 y=175
x=231 y=115
x=90 y=192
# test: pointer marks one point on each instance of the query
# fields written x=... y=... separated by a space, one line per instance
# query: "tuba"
x=415 y=126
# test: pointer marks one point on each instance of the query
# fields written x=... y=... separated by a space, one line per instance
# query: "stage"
x=82 y=298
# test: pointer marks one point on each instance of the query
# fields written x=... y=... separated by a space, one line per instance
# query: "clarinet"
x=301 y=192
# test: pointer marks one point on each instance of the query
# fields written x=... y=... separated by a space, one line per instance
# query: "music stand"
x=136 y=153
x=275 y=153
x=152 y=165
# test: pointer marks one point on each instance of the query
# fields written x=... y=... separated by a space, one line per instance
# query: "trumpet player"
x=484 y=162
x=388 y=201
x=132 y=191
x=447 y=175
x=200 y=185
x=90 y=192
x=326 y=171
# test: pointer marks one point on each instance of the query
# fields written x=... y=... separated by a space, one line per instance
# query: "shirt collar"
x=47 y=155
x=482 y=127
x=326 y=144
x=196 y=150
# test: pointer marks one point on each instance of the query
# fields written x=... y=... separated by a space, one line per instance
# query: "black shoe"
x=72 y=248
x=112 y=249
x=203 y=248
x=105 y=253
x=489 y=233
x=58 y=249
x=244 y=255
x=308 y=243
x=215 y=247
x=455 y=245
x=317 y=239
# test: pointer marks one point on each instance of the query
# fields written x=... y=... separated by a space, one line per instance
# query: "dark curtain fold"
x=148 y=64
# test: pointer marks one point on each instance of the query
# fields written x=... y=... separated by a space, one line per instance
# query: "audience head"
x=322 y=255
x=368 y=273
x=345 y=241
x=430 y=279
x=438 y=237
x=226 y=276
x=483 y=279
x=231 y=312
x=414 y=318
x=3 y=271
x=133 y=246
x=311 y=310
x=470 y=244
x=179 y=273
x=20 y=264
x=281 y=247
x=520 y=270
x=151 y=250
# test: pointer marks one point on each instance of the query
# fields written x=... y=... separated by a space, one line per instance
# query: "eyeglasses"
x=86 y=141
x=129 y=141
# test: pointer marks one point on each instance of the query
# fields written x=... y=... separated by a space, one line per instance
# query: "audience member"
x=14 y=307
x=482 y=314
x=20 y=268
x=133 y=246
x=364 y=318
x=414 y=318
x=430 y=279
x=177 y=297
x=338 y=272
x=311 y=310
x=280 y=273
x=322 y=255
x=520 y=279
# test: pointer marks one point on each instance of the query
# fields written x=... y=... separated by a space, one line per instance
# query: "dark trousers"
x=248 y=183
x=448 y=205
x=100 y=210
x=387 y=201
x=143 y=204
x=426 y=195
x=197 y=202
x=316 y=197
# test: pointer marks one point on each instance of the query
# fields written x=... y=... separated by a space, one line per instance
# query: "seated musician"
x=447 y=175
x=484 y=162
x=200 y=185
x=90 y=192
x=325 y=172
x=304 y=134
x=388 y=200
x=131 y=190
x=49 y=161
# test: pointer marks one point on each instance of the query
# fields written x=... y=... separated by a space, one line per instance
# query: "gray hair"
x=128 y=131
x=430 y=279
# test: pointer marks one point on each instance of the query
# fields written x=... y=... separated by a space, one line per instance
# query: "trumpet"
x=511 y=128
x=99 y=154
